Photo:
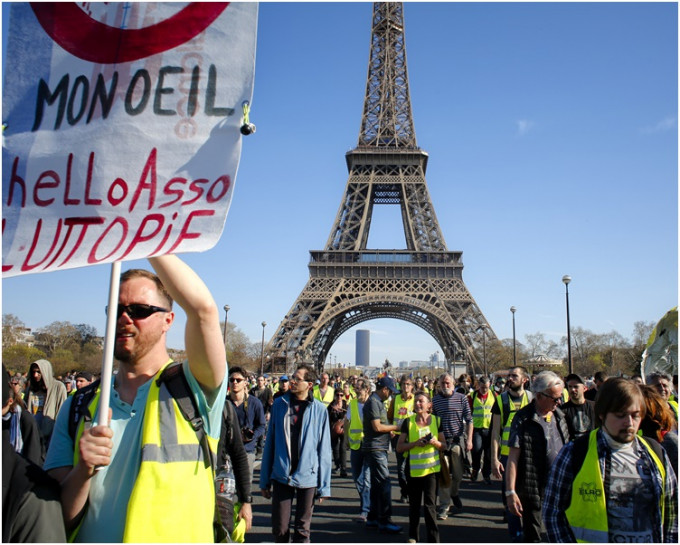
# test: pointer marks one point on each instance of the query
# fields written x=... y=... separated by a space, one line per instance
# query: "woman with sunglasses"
x=420 y=440
x=337 y=410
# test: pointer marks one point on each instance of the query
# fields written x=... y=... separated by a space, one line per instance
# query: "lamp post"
x=262 y=352
x=226 y=313
x=514 y=342
x=486 y=372
x=566 y=279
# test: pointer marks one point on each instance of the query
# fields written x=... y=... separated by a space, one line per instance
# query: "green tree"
x=18 y=357
x=10 y=327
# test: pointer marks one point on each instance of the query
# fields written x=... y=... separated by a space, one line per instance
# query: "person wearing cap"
x=83 y=379
x=284 y=386
x=579 y=412
x=377 y=432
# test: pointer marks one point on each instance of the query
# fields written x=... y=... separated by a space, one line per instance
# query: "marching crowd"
x=174 y=459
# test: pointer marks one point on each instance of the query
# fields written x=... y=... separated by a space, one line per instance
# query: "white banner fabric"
x=121 y=129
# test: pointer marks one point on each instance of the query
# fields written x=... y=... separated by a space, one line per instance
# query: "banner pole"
x=109 y=342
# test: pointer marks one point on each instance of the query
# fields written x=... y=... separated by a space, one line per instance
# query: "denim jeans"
x=361 y=474
x=401 y=466
x=481 y=446
x=514 y=522
x=381 y=486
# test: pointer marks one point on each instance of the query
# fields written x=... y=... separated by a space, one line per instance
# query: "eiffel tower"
x=349 y=283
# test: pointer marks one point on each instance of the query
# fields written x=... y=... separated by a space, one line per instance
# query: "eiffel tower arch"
x=350 y=283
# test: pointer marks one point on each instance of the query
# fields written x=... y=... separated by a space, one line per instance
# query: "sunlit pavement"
x=480 y=521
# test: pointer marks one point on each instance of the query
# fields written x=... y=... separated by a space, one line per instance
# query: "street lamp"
x=226 y=313
x=262 y=352
x=514 y=342
x=484 y=326
x=566 y=279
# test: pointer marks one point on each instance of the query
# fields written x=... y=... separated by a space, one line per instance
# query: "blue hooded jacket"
x=314 y=466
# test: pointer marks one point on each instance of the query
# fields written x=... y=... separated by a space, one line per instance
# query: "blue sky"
x=552 y=135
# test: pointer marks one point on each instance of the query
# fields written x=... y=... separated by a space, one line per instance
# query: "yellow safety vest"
x=328 y=398
x=587 y=512
x=481 y=411
x=674 y=406
x=505 y=436
x=356 y=426
x=423 y=460
x=173 y=498
x=402 y=410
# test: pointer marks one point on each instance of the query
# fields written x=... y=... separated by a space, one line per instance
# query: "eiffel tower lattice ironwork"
x=350 y=283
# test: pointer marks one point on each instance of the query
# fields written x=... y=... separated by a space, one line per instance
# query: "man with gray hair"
x=538 y=433
x=662 y=383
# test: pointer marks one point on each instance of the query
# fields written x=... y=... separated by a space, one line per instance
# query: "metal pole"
x=486 y=372
x=262 y=351
x=566 y=279
x=226 y=313
x=514 y=342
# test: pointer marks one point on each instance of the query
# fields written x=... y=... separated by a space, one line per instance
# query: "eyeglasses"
x=297 y=379
x=137 y=311
x=237 y=380
x=557 y=400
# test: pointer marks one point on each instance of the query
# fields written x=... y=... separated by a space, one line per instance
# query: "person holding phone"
x=420 y=441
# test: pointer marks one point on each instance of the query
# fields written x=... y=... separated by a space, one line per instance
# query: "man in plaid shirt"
x=610 y=485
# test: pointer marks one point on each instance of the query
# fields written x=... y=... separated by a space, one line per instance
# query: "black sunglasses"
x=137 y=311
x=237 y=380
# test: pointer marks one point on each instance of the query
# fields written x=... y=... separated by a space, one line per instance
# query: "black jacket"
x=532 y=467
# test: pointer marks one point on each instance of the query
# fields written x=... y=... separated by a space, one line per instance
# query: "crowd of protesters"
x=590 y=459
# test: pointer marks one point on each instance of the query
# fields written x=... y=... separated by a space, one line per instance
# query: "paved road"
x=333 y=520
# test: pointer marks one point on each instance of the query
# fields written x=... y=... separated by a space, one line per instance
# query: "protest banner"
x=121 y=129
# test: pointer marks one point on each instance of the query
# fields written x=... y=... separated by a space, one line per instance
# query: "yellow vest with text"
x=328 y=398
x=587 y=512
x=505 y=436
x=481 y=411
x=423 y=460
x=402 y=410
x=356 y=426
x=173 y=498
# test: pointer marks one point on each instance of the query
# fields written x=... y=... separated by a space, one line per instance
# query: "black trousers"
x=339 y=446
x=282 y=507
x=423 y=489
x=481 y=446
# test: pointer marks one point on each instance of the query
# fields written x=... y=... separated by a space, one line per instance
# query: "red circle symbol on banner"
x=90 y=40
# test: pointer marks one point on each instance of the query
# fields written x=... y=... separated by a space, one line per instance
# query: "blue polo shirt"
x=110 y=488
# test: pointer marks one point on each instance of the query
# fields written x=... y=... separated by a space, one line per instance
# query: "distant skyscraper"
x=363 y=348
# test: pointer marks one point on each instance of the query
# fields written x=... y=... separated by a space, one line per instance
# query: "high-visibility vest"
x=505 y=436
x=356 y=426
x=587 y=512
x=402 y=410
x=173 y=498
x=481 y=411
x=422 y=460
x=674 y=406
x=328 y=398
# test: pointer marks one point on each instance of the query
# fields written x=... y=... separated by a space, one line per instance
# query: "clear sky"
x=552 y=135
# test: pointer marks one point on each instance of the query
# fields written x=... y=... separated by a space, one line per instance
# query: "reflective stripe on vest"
x=402 y=410
x=423 y=460
x=505 y=437
x=587 y=512
x=173 y=498
x=356 y=426
x=481 y=411
x=330 y=393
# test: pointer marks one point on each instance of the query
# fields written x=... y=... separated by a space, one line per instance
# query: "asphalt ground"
x=480 y=520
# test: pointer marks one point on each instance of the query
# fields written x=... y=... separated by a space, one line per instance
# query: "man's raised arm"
x=203 y=339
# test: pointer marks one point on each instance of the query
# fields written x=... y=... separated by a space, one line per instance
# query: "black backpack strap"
x=178 y=386
x=80 y=407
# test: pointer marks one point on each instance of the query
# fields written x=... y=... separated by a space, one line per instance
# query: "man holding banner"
x=130 y=481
